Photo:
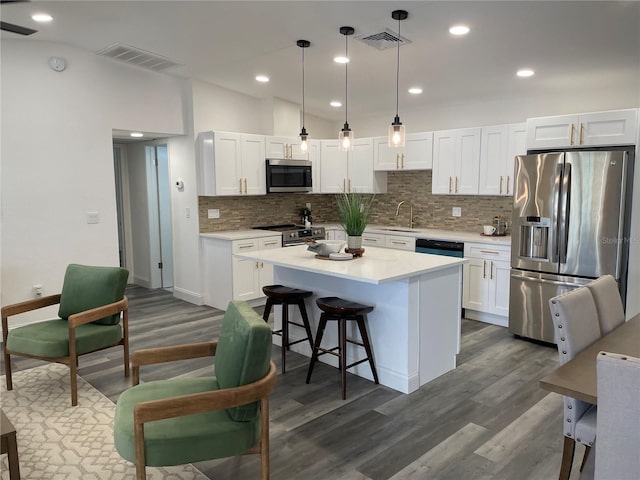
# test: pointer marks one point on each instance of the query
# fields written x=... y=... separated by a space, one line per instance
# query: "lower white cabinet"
x=336 y=234
x=486 y=282
x=396 y=242
x=229 y=278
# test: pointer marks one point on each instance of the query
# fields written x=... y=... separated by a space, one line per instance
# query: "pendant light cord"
x=346 y=76
x=398 y=68
x=303 y=88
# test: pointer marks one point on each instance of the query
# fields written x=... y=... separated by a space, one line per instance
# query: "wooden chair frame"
x=73 y=321
x=199 y=402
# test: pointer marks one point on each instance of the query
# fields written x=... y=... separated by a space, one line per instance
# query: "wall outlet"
x=456 y=212
x=213 y=213
x=37 y=290
x=93 y=217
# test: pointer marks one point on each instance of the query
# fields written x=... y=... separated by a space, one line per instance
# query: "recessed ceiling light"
x=415 y=90
x=136 y=134
x=459 y=30
x=341 y=59
x=42 y=17
x=525 y=72
x=262 y=78
x=335 y=103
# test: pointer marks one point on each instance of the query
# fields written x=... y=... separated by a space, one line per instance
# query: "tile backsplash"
x=429 y=211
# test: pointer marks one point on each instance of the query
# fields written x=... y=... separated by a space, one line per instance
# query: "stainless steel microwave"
x=288 y=176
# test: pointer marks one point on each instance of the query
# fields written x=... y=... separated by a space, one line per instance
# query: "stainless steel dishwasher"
x=440 y=247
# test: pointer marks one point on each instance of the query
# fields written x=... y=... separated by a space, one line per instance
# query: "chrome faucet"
x=410 y=212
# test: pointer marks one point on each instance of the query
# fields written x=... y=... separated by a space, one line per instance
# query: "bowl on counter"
x=326 y=247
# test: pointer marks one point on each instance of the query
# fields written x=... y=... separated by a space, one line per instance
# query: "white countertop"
x=240 y=234
x=377 y=265
x=432 y=234
x=429 y=233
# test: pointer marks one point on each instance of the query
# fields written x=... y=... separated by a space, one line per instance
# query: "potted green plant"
x=354 y=211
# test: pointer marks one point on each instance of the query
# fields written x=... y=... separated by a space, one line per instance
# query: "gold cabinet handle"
x=500 y=184
x=484 y=269
x=491 y=270
x=246 y=245
x=456 y=184
x=240 y=185
x=508 y=184
x=349 y=184
x=274 y=242
x=403 y=160
x=573 y=127
x=449 y=184
x=344 y=184
x=245 y=185
x=397 y=161
x=261 y=265
x=581 y=133
x=489 y=252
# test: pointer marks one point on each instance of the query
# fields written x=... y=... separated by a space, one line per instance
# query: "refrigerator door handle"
x=545 y=281
x=563 y=213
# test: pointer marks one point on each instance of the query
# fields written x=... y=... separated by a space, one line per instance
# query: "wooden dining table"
x=578 y=378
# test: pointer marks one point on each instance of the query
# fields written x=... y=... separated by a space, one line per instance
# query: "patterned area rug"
x=58 y=441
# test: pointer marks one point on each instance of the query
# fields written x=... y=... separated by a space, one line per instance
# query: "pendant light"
x=304 y=146
x=345 y=136
x=396 y=129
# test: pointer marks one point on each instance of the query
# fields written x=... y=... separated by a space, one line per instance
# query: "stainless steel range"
x=293 y=234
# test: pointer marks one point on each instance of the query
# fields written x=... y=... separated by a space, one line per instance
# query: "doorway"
x=143 y=199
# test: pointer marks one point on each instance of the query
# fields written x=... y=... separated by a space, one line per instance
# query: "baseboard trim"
x=188 y=296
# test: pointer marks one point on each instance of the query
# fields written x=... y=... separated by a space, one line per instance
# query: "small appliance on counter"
x=501 y=226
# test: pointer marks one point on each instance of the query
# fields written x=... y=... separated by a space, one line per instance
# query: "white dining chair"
x=618 y=450
x=575 y=322
x=608 y=303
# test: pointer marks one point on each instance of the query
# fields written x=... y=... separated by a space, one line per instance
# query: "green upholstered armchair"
x=91 y=304
x=186 y=420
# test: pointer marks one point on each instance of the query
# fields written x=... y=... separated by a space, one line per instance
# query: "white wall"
x=57 y=157
x=494 y=111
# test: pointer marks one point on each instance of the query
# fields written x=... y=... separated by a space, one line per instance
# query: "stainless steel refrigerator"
x=569 y=226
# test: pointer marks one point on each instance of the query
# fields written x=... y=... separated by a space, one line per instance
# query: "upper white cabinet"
x=285 y=148
x=498 y=147
x=417 y=154
x=350 y=171
x=456 y=161
x=616 y=127
x=316 y=164
x=231 y=164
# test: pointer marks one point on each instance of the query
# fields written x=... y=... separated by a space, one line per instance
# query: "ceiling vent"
x=383 y=40
x=135 y=56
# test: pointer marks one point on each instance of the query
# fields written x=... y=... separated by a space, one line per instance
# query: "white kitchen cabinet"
x=398 y=242
x=231 y=164
x=229 y=278
x=417 y=154
x=336 y=234
x=485 y=291
x=316 y=164
x=286 y=148
x=456 y=161
x=615 y=127
x=498 y=147
x=350 y=171
x=373 y=240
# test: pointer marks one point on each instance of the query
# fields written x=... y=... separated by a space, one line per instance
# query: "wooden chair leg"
x=264 y=442
x=73 y=367
x=7 y=368
x=367 y=346
x=305 y=321
x=342 y=358
x=285 y=333
x=587 y=450
x=141 y=461
x=316 y=345
x=567 y=458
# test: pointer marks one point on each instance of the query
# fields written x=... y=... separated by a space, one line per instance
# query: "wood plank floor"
x=488 y=419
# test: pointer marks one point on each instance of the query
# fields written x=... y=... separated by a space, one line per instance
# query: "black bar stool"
x=285 y=296
x=334 y=308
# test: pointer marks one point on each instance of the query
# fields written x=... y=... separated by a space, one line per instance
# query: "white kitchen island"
x=415 y=326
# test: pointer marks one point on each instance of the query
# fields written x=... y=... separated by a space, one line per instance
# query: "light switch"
x=187 y=212
x=213 y=213
x=456 y=212
x=93 y=217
